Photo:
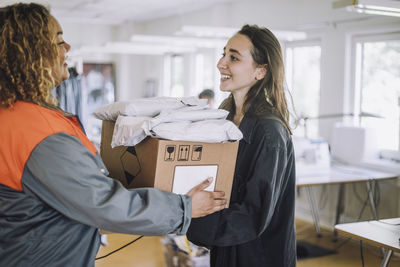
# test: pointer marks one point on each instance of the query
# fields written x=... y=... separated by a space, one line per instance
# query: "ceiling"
x=115 y=12
x=189 y=37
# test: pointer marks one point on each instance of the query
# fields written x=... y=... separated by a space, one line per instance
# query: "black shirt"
x=258 y=227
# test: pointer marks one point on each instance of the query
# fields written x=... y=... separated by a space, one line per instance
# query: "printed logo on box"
x=170 y=153
x=197 y=152
x=183 y=153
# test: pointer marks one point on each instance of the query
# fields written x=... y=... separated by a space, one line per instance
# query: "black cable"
x=112 y=252
x=323 y=197
x=362 y=209
x=358 y=219
x=376 y=201
x=356 y=193
x=341 y=244
x=377 y=195
x=361 y=253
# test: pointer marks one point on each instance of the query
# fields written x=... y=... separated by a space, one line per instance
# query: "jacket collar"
x=247 y=127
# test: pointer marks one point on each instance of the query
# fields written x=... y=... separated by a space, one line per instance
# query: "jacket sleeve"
x=249 y=217
x=66 y=176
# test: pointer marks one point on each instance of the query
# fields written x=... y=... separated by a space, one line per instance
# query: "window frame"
x=355 y=77
x=296 y=44
x=355 y=81
x=310 y=42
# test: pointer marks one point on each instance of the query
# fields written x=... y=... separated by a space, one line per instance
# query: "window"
x=189 y=74
x=302 y=62
x=205 y=68
x=177 y=76
x=377 y=83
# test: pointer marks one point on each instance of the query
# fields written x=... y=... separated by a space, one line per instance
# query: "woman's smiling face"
x=238 y=70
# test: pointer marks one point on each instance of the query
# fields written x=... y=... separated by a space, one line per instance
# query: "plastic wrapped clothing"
x=54 y=194
x=258 y=227
x=146 y=107
x=183 y=119
x=184 y=124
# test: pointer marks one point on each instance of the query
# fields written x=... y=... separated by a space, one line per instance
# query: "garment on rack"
x=69 y=93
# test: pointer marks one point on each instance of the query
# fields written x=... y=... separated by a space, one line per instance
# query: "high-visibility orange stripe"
x=22 y=128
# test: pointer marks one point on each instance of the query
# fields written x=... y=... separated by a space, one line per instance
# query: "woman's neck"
x=237 y=119
x=239 y=114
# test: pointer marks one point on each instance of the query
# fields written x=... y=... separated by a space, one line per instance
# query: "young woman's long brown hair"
x=27 y=54
x=268 y=94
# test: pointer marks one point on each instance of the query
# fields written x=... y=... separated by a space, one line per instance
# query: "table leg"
x=386 y=258
x=339 y=209
x=314 y=210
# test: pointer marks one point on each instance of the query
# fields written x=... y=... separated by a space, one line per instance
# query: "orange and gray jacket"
x=54 y=193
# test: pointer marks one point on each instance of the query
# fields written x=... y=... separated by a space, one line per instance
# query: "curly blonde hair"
x=28 y=52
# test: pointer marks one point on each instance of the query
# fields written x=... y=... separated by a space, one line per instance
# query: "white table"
x=341 y=174
x=383 y=233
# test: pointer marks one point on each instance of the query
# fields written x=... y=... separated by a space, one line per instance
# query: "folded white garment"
x=185 y=124
x=128 y=131
x=209 y=131
x=185 y=114
x=184 y=119
x=149 y=107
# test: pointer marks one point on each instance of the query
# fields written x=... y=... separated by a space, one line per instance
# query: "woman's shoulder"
x=268 y=117
x=272 y=130
x=271 y=121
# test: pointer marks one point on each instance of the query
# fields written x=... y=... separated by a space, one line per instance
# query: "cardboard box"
x=172 y=166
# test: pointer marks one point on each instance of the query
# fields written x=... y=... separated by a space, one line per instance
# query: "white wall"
x=77 y=34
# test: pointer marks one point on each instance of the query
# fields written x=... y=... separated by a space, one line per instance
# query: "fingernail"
x=210 y=179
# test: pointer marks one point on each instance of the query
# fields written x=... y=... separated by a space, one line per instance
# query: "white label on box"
x=187 y=177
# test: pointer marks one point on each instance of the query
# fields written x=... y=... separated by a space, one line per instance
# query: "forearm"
x=72 y=183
